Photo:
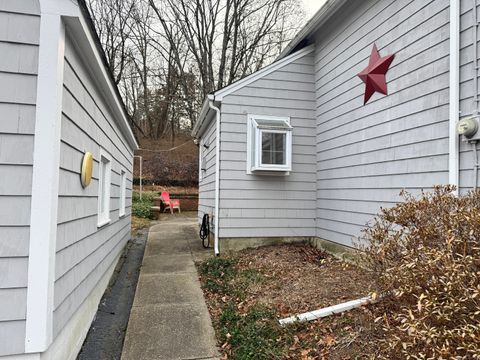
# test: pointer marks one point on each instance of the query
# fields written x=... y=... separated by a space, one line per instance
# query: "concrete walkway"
x=169 y=318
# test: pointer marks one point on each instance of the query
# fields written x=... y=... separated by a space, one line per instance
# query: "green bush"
x=147 y=196
x=142 y=208
x=424 y=255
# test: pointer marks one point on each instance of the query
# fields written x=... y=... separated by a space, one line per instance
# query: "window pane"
x=273 y=148
x=123 y=192
x=104 y=187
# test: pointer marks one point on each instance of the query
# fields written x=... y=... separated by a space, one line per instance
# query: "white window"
x=123 y=192
x=104 y=183
x=269 y=144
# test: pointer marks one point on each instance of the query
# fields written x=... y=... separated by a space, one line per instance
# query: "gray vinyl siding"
x=467 y=88
x=206 y=186
x=83 y=251
x=19 y=38
x=261 y=205
x=367 y=154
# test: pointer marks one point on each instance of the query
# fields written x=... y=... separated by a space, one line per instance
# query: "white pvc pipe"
x=454 y=108
x=475 y=165
x=327 y=311
x=217 y=174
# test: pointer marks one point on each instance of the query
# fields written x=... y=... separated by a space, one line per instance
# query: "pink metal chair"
x=170 y=203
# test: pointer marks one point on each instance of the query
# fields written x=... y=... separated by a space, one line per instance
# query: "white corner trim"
x=59 y=7
x=68 y=343
x=45 y=179
x=200 y=160
x=454 y=101
x=263 y=72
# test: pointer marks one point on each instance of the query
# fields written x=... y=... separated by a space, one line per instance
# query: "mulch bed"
x=300 y=278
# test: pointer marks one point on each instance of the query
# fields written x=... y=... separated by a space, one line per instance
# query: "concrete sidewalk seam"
x=169 y=317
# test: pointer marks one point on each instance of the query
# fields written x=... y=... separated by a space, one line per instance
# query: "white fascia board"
x=320 y=17
x=262 y=72
x=45 y=179
x=83 y=39
x=201 y=117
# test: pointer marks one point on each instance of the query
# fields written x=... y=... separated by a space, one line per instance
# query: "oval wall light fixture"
x=87 y=169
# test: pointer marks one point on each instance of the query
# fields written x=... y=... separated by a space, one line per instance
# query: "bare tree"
x=140 y=38
x=111 y=19
x=167 y=55
x=225 y=37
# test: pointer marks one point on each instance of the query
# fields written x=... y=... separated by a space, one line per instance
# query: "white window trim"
x=254 y=163
x=123 y=193
x=104 y=216
x=276 y=167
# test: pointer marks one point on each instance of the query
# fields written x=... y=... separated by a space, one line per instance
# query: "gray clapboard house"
x=291 y=152
x=59 y=241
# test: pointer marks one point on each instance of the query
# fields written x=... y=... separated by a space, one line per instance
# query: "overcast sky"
x=311 y=6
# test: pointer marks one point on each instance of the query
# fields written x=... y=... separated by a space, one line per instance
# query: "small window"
x=104 y=183
x=269 y=144
x=123 y=192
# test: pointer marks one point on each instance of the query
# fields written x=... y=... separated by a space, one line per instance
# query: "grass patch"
x=252 y=276
x=217 y=273
x=245 y=332
x=139 y=223
x=250 y=291
x=254 y=334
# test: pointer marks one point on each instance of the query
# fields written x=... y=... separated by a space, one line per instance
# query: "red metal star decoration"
x=374 y=74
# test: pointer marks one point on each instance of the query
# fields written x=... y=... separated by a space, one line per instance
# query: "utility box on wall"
x=468 y=128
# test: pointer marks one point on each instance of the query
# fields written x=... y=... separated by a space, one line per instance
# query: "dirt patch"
x=287 y=280
x=300 y=278
x=139 y=223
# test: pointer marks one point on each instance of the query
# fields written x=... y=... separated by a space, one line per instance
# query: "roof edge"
x=218 y=95
x=200 y=124
x=90 y=33
x=277 y=64
x=317 y=20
